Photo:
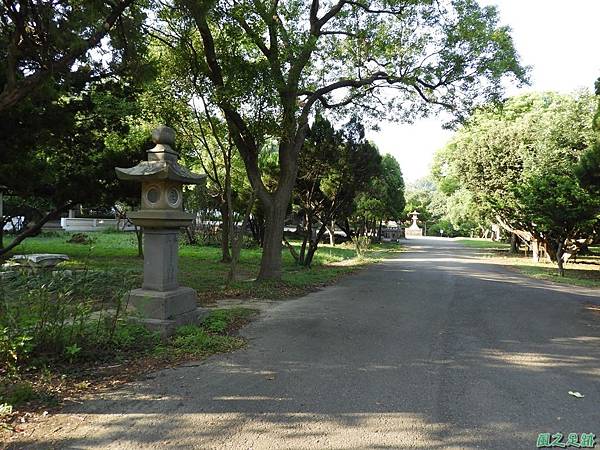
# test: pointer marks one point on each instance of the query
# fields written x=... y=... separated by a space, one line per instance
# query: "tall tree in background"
x=266 y=64
x=383 y=199
x=334 y=167
x=520 y=160
x=588 y=168
x=559 y=209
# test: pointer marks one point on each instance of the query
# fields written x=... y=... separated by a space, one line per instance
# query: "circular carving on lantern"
x=153 y=195
x=173 y=197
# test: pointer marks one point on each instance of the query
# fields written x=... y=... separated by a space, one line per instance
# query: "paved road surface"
x=433 y=350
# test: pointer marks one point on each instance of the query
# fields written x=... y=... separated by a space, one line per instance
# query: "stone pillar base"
x=165 y=311
x=167 y=328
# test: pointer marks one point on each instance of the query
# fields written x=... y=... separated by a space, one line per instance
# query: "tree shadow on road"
x=433 y=352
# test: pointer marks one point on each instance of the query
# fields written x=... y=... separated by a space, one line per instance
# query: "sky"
x=558 y=39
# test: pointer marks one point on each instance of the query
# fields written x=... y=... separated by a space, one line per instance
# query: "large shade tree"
x=266 y=64
x=71 y=156
x=334 y=167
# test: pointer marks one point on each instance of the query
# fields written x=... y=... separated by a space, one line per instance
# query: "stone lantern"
x=161 y=303
x=414 y=230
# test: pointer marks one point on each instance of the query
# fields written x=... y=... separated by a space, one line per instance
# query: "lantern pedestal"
x=161 y=304
x=164 y=311
x=161 y=259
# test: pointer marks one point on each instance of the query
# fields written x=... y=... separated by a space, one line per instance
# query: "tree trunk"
x=257 y=226
x=514 y=246
x=139 y=234
x=225 y=232
x=314 y=244
x=237 y=238
x=559 y=259
x=535 y=250
x=191 y=237
x=345 y=227
x=306 y=239
x=331 y=231
x=270 y=263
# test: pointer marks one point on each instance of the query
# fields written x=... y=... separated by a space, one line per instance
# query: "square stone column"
x=161 y=259
x=161 y=304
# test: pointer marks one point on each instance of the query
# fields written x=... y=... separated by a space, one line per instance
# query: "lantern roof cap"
x=162 y=162
x=160 y=170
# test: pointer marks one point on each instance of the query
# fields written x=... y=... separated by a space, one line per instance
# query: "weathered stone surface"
x=167 y=327
x=162 y=305
x=160 y=259
x=160 y=170
x=40 y=260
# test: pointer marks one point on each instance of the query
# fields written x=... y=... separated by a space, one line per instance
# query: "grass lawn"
x=585 y=271
x=483 y=243
x=199 y=266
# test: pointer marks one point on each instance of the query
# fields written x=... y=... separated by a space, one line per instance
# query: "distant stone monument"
x=161 y=303
x=414 y=230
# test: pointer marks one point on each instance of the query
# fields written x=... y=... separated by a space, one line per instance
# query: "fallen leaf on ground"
x=576 y=394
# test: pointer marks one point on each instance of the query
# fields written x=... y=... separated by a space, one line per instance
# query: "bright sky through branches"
x=559 y=40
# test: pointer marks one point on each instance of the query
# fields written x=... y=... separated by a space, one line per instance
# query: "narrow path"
x=432 y=350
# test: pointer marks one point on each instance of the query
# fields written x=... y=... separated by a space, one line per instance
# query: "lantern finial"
x=163 y=135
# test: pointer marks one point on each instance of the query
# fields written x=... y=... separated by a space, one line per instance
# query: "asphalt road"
x=433 y=350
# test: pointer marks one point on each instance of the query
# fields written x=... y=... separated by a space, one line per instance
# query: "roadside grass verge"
x=44 y=383
x=483 y=244
x=584 y=271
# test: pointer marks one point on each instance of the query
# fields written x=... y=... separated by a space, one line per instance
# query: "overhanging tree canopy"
x=43 y=42
x=267 y=63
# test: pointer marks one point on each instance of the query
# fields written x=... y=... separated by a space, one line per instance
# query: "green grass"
x=483 y=243
x=575 y=277
x=199 y=266
x=585 y=272
x=211 y=336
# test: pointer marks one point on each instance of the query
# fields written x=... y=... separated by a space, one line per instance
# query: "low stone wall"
x=413 y=232
x=86 y=224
